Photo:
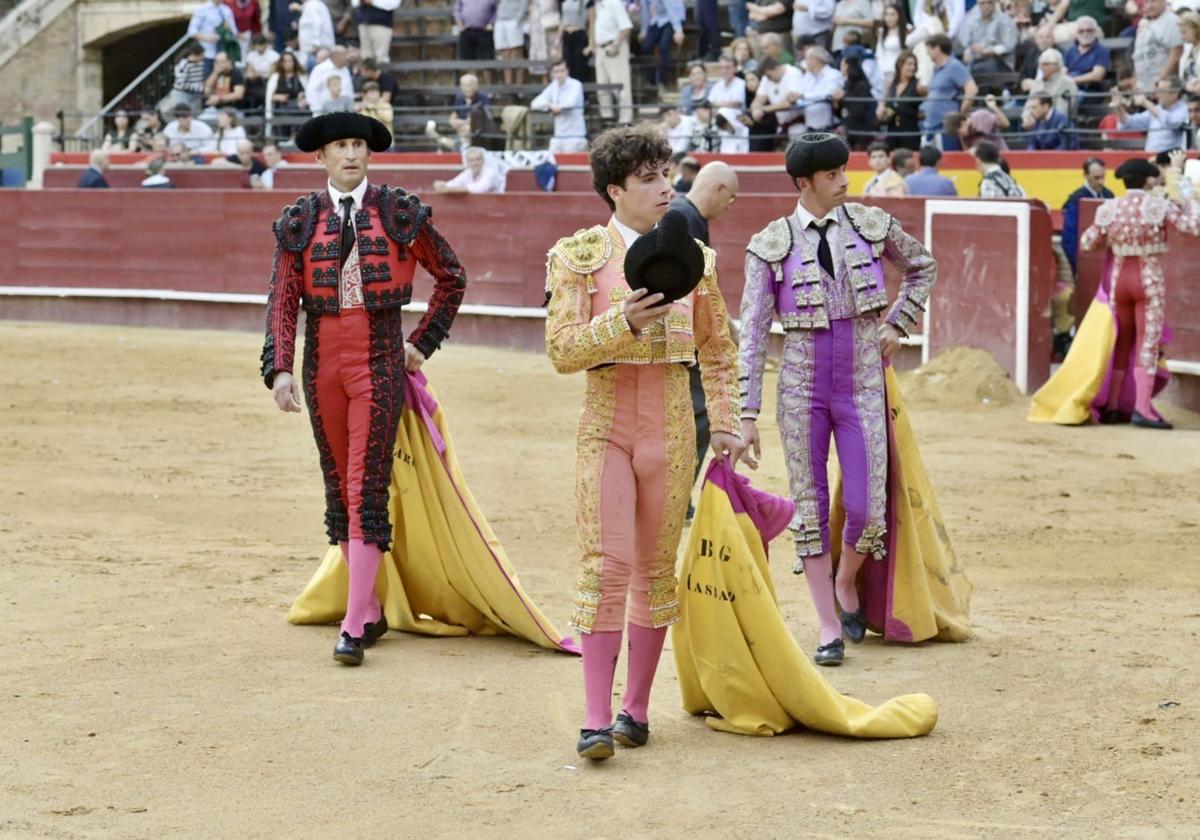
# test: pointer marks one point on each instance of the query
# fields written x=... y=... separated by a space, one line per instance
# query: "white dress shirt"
x=680 y=137
x=627 y=233
x=570 y=129
x=611 y=20
x=316 y=91
x=832 y=220
x=728 y=94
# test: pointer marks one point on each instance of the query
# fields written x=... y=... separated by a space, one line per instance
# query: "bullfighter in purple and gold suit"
x=820 y=272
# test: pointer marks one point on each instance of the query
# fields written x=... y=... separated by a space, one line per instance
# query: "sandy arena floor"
x=159 y=515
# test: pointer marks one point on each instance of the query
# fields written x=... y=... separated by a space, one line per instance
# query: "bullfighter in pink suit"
x=820 y=272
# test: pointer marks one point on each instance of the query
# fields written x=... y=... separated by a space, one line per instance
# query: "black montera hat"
x=816 y=152
x=343 y=125
x=666 y=260
x=1138 y=170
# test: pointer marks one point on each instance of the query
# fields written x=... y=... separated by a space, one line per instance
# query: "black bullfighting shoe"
x=1139 y=419
x=596 y=744
x=1112 y=417
x=629 y=733
x=348 y=650
x=372 y=632
x=854 y=624
x=831 y=654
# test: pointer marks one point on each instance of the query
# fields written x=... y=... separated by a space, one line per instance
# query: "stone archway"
x=124 y=58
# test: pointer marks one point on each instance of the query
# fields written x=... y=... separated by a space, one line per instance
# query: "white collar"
x=627 y=233
x=357 y=194
x=804 y=218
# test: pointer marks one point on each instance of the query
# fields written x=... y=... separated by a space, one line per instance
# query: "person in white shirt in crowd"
x=259 y=63
x=728 y=91
x=720 y=130
x=316 y=91
x=209 y=16
x=316 y=30
x=195 y=135
x=1163 y=117
x=611 y=27
x=815 y=104
x=929 y=19
x=813 y=19
x=779 y=90
x=228 y=132
x=563 y=98
x=274 y=160
x=890 y=42
x=508 y=36
x=482 y=175
x=1157 y=47
x=376 y=26
x=680 y=129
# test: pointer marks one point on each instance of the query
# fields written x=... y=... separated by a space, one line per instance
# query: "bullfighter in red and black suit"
x=346 y=255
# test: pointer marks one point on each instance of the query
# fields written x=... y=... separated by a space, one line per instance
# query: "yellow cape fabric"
x=735 y=656
x=1067 y=398
x=930 y=592
x=447 y=574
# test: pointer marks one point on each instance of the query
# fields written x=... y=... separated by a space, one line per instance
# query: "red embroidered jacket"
x=395 y=232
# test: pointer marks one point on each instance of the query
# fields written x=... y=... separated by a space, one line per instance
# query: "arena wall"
x=190 y=257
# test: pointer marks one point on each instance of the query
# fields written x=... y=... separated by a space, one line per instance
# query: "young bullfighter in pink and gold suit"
x=820 y=271
x=636 y=442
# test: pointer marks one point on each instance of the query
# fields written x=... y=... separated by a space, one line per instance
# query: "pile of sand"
x=960 y=376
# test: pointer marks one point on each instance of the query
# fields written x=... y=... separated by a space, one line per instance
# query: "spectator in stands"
x=731 y=135
x=469 y=100
x=243 y=158
x=903 y=162
x=772 y=19
x=373 y=106
x=929 y=20
x=856 y=105
x=148 y=126
x=210 y=16
x=274 y=160
x=1088 y=61
x=474 y=19
x=376 y=26
x=93 y=177
x=225 y=88
x=984 y=125
x=820 y=87
x=260 y=62
x=247 y=21
x=228 y=133
x=772 y=47
x=728 y=91
x=996 y=183
x=689 y=168
x=1093 y=187
x=370 y=71
x=285 y=89
x=708 y=45
x=707 y=138
x=778 y=91
x=889 y=41
x=481 y=175
x=188 y=87
x=611 y=30
x=743 y=55
x=335 y=99
x=508 y=37
x=155 y=179
x=680 y=130
x=950 y=88
x=851 y=16
x=1050 y=128
x=1054 y=83
x=1157 y=46
x=1163 y=118
x=120 y=138
x=899 y=115
x=316 y=91
x=662 y=30
x=181 y=155
x=563 y=98
x=813 y=20
x=988 y=39
x=1067 y=15
x=315 y=31
x=697 y=88
x=195 y=135
x=284 y=22
x=886 y=182
x=1029 y=53
x=577 y=39
x=545 y=21
x=1189 y=59
x=927 y=180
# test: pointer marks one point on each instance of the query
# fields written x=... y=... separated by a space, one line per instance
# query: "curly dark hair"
x=622 y=151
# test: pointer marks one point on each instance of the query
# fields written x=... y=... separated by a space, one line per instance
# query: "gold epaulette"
x=584 y=252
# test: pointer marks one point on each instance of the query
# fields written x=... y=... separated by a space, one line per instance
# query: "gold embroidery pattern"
x=794 y=415
x=681 y=466
x=574 y=340
x=718 y=358
x=758 y=305
x=870 y=403
x=595 y=428
x=872 y=223
x=773 y=243
x=920 y=273
x=586 y=251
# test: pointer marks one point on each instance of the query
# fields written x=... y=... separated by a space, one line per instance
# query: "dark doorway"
x=126 y=57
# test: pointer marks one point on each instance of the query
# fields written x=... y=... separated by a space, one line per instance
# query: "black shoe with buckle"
x=348 y=650
x=373 y=631
x=629 y=733
x=831 y=654
x=596 y=744
x=854 y=624
x=1139 y=419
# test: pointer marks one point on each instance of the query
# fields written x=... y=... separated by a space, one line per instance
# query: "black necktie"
x=347 y=242
x=824 y=255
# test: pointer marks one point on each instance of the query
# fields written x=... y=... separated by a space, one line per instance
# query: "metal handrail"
x=81 y=132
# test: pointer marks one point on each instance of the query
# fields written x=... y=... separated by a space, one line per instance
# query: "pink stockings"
x=600 y=652
x=1130 y=309
x=362 y=607
x=819 y=572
